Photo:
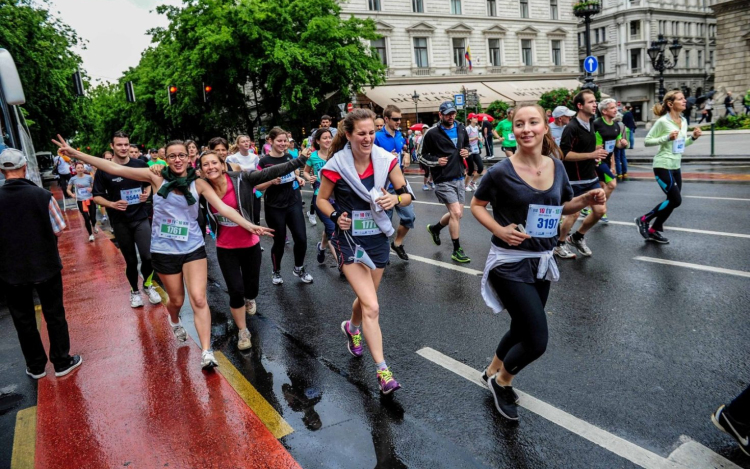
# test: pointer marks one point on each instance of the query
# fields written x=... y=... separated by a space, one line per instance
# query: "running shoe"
x=104 y=218
x=91 y=238
x=486 y=380
x=243 y=340
x=286 y=240
x=153 y=296
x=36 y=375
x=468 y=188
x=459 y=256
x=311 y=217
x=400 y=252
x=208 y=360
x=425 y=187
x=504 y=397
x=386 y=381
x=179 y=331
x=585 y=212
x=642 y=227
x=656 y=237
x=604 y=219
x=625 y=176
x=733 y=428
x=562 y=251
x=435 y=236
x=353 y=341
x=96 y=230
x=432 y=185
x=321 y=253
x=135 y=299
x=304 y=276
x=250 y=307
x=75 y=362
x=276 y=278
x=580 y=245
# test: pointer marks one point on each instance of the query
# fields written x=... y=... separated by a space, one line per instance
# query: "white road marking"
x=444 y=265
x=693 y=455
x=707 y=268
x=714 y=198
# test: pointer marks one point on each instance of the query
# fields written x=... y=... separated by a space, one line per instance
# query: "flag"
x=467 y=56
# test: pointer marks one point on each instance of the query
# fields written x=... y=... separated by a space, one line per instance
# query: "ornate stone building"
x=732 y=48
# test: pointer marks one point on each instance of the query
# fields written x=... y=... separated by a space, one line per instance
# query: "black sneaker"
x=656 y=237
x=486 y=378
x=435 y=236
x=75 y=362
x=399 y=250
x=459 y=256
x=504 y=399
x=36 y=374
x=730 y=426
x=321 y=253
x=642 y=227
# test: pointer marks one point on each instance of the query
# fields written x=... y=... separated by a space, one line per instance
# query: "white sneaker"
x=250 y=307
x=179 y=330
x=96 y=230
x=135 y=299
x=276 y=278
x=208 y=360
x=91 y=238
x=243 y=340
x=153 y=296
x=304 y=276
x=468 y=188
x=312 y=218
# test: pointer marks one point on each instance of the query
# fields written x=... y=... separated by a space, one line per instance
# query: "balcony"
x=460 y=70
x=422 y=71
x=497 y=70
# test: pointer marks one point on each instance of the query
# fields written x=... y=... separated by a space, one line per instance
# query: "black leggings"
x=128 y=236
x=278 y=219
x=88 y=217
x=241 y=271
x=256 y=210
x=527 y=338
x=474 y=161
x=670 y=181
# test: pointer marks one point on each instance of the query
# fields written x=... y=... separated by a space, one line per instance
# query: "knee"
x=537 y=346
x=675 y=201
x=176 y=301
x=457 y=214
x=370 y=311
x=612 y=184
x=599 y=210
x=200 y=302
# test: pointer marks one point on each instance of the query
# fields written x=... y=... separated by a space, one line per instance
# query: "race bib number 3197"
x=542 y=220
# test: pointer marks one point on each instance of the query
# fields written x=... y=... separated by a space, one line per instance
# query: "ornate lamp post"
x=659 y=60
x=587 y=9
x=415 y=98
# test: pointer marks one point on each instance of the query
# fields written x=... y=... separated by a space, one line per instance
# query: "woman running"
x=670 y=133
x=80 y=187
x=178 y=251
x=247 y=160
x=357 y=175
x=322 y=141
x=529 y=191
x=192 y=152
x=284 y=208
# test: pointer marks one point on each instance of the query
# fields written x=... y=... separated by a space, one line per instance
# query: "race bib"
x=609 y=145
x=83 y=192
x=288 y=178
x=224 y=221
x=363 y=224
x=170 y=228
x=542 y=220
x=131 y=196
x=511 y=137
x=678 y=146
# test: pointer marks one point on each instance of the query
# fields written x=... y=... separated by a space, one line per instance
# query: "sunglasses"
x=395 y=119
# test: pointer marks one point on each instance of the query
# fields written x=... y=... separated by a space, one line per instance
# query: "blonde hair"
x=661 y=109
x=549 y=147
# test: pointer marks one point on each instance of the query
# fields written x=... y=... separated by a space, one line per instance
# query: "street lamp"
x=415 y=98
x=586 y=9
x=659 y=60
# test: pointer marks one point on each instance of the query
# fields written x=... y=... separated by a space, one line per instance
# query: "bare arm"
x=595 y=197
x=208 y=192
x=324 y=193
x=509 y=234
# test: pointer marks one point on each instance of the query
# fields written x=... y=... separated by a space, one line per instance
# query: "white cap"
x=11 y=158
x=562 y=111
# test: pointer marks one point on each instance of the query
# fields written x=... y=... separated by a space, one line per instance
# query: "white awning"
x=528 y=91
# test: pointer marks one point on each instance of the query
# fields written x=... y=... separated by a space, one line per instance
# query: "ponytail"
x=661 y=109
x=347 y=125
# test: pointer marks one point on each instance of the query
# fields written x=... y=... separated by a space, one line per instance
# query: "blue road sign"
x=590 y=64
x=458 y=99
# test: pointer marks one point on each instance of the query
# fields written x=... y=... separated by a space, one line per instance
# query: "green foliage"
x=733 y=122
x=41 y=46
x=562 y=97
x=497 y=109
x=585 y=4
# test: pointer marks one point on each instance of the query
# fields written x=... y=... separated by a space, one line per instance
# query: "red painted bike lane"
x=140 y=398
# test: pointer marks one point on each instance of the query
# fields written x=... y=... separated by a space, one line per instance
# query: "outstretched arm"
x=225 y=210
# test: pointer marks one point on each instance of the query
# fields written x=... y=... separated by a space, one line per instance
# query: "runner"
x=580 y=155
x=322 y=145
x=429 y=184
x=356 y=176
x=128 y=218
x=670 y=133
x=489 y=146
x=219 y=146
x=246 y=159
x=379 y=123
x=192 y=152
x=504 y=133
x=528 y=191
x=177 y=247
x=325 y=123
x=474 y=161
x=80 y=188
x=562 y=116
x=107 y=156
x=390 y=139
x=610 y=136
x=284 y=209
x=62 y=166
x=444 y=148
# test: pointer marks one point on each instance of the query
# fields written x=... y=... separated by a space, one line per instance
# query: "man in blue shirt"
x=389 y=138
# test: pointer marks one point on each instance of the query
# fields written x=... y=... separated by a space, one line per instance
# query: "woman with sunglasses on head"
x=357 y=175
x=178 y=251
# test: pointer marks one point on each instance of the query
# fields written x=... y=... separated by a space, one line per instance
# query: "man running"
x=504 y=133
x=580 y=155
x=444 y=148
x=325 y=123
x=610 y=135
x=474 y=162
x=389 y=138
x=561 y=116
x=128 y=214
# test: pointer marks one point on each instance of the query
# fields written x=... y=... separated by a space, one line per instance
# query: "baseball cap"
x=11 y=158
x=562 y=111
x=447 y=107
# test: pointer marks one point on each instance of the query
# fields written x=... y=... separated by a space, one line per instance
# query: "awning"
x=528 y=91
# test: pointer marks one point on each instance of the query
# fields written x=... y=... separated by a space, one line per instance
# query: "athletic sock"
x=643 y=218
x=436 y=227
x=577 y=236
x=456 y=244
x=353 y=330
x=560 y=242
x=651 y=230
x=381 y=366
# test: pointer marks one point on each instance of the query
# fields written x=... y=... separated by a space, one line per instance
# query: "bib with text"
x=363 y=224
x=131 y=196
x=542 y=220
x=171 y=228
x=609 y=145
x=678 y=145
x=224 y=221
x=288 y=178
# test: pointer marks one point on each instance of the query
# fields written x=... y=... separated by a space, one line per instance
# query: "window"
x=600 y=59
x=459 y=49
x=662 y=27
x=455 y=7
x=604 y=34
x=711 y=58
x=557 y=52
x=635 y=30
x=700 y=58
x=374 y=5
x=580 y=68
x=635 y=60
x=687 y=59
x=527 y=57
x=581 y=42
x=688 y=29
x=417 y=6
x=596 y=36
x=524 y=8
x=491 y=8
x=379 y=46
x=553 y=12
x=494 y=52
x=420 y=52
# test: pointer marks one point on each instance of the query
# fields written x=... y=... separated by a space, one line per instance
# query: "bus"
x=14 y=132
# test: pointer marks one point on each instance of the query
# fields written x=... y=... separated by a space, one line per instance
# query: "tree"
x=497 y=109
x=561 y=97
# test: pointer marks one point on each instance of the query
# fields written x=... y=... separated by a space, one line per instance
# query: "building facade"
x=622 y=33
x=732 y=48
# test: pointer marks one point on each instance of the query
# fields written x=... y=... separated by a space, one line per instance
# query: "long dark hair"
x=318 y=135
x=549 y=147
x=347 y=125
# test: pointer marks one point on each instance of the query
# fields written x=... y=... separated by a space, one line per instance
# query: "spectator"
x=489 y=148
x=729 y=104
x=708 y=111
x=62 y=165
x=29 y=260
x=746 y=102
x=629 y=120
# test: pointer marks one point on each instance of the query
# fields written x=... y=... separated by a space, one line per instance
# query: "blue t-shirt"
x=391 y=143
x=452 y=133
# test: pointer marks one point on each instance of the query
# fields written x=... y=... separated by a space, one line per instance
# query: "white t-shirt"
x=556 y=131
x=473 y=132
x=246 y=163
x=63 y=167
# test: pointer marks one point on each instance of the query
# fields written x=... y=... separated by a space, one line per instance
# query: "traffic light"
x=129 y=92
x=78 y=83
x=172 y=92
x=207 y=89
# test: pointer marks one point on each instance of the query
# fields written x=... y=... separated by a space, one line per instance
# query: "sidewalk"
x=140 y=398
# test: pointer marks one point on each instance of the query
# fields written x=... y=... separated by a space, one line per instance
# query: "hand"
x=500 y=139
x=387 y=200
x=345 y=222
x=90 y=189
x=599 y=154
x=143 y=197
x=596 y=197
x=156 y=169
x=406 y=160
x=624 y=143
x=312 y=179
x=259 y=230
x=301 y=181
x=464 y=153
x=443 y=161
x=120 y=205
x=510 y=235
x=307 y=152
x=63 y=147
x=697 y=132
x=277 y=181
x=673 y=134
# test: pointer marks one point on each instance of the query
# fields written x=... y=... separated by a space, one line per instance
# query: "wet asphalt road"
x=644 y=351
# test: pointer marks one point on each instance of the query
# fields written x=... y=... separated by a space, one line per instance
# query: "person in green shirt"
x=746 y=102
x=504 y=133
x=610 y=135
